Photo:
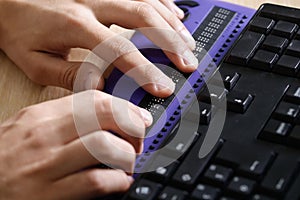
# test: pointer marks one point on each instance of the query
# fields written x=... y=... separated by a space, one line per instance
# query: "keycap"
x=189 y=3
x=180 y=140
x=287 y=65
x=144 y=190
x=298 y=35
x=293 y=94
x=285 y=29
x=205 y=192
x=277 y=12
x=260 y=197
x=262 y=25
x=275 y=44
x=230 y=80
x=214 y=94
x=239 y=101
x=294 y=48
x=218 y=175
x=280 y=175
x=227 y=198
x=293 y=191
x=162 y=172
x=264 y=60
x=201 y=111
x=245 y=48
x=241 y=187
x=276 y=131
x=170 y=193
x=187 y=173
x=245 y=160
x=287 y=112
x=294 y=137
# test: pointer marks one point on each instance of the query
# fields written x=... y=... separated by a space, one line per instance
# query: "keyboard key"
x=162 y=172
x=187 y=173
x=241 y=187
x=280 y=175
x=227 y=198
x=294 y=137
x=275 y=44
x=261 y=197
x=249 y=163
x=218 y=175
x=245 y=48
x=277 y=12
x=294 y=48
x=239 y=101
x=215 y=94
x=293 y=94
x=287 y=65
x=293 y=191
x=285 y=29
x=205 y=113
x=264 y=60
x=287 y=112
x=204 y=192
x=144 y=190
x=298 y=35
x=170 y=193
x=276 y=131
x=262 y=25
x=180 y=139
x=202 y=111
x=230 y=80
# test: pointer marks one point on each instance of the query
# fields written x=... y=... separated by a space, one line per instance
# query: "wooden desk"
x=17 y=91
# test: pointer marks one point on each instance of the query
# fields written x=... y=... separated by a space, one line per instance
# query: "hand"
x=38 y=35
x=43 y=157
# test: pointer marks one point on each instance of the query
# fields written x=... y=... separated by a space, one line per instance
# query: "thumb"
x=47 y=69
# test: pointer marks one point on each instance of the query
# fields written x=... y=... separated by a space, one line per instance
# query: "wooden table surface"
x=17 y=91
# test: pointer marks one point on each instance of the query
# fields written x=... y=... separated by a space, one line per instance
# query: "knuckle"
x=144 y=10
x=36 y=136
x=96 y=184
x=67 y=77
x=31 y=112
x=121 y=46
x=103 y=104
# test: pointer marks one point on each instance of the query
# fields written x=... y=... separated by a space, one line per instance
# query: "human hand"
x=43 y=156
x=38 y=35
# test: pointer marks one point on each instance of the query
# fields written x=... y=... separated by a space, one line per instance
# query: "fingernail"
x=165 y=83
x=188 y=38
x=177 y=11
x=146 y=116
x=189 y=60
x=130 y=179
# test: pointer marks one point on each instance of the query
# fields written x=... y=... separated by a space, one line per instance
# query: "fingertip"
x=147 y=117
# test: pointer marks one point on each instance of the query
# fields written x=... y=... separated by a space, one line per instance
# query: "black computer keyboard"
x=258 y=154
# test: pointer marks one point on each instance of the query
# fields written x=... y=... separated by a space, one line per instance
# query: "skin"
x=38 y=35
x=43 y=155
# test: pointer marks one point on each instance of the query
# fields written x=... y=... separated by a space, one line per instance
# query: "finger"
x=123 y=54
x=90 y=150
x=92 y=183
x=158 y=30
x=118 y=115
x=50 y=70
x=173 y=8
x=73 y=116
